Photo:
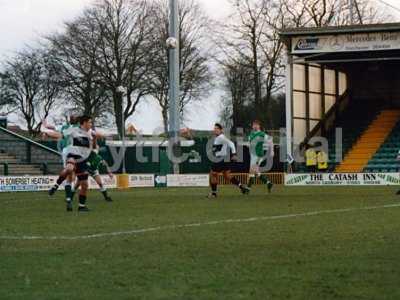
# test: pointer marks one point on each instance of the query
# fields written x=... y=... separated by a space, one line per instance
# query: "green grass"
x=342 y=255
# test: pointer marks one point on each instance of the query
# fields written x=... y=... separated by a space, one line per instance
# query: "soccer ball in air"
x=172 y=43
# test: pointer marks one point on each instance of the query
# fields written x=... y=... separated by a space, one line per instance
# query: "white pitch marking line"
x=173 y=227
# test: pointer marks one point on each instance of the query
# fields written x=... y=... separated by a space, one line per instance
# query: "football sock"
x=54 y=189
x=82 y=200
x=60 y=179
x=103 y=190
x=252 y=180
x=236 y=181
x=213 y=188
x=264 y=179
x=68 y=192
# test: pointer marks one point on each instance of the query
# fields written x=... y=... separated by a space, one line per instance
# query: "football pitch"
x=297 y=243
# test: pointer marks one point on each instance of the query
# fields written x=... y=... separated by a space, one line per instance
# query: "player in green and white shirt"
x=80 y=146
x=67 y=174
x=65 y=140
x=261 y=150
x=61 y=134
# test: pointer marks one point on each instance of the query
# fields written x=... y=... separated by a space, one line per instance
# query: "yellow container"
x=123 y=181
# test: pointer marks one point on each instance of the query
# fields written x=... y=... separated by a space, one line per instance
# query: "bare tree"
x=32 y=84
x=195 y=75
x=77 y=54
x=250 y=40
x=319 y=13
x=124 y=28
x=5 y=95
x=237 y=104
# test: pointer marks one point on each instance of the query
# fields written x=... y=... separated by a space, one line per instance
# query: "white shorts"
x=94 y=173
x=64 y=157
x=255 y=162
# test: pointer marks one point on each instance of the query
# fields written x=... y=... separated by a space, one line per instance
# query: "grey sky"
x=22 y=21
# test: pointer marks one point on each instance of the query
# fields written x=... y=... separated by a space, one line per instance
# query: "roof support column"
x=289 y=105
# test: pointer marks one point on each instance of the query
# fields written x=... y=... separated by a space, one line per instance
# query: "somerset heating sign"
x=26 y=183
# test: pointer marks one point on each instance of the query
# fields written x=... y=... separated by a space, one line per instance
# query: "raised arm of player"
x=47 y=125
x=53 y=134
x=99 y=135
x=96 y=136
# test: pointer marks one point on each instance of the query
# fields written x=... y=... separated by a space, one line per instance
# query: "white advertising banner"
x=346 y=42
x=344 y=179
x=44 y=183
x=108 y=182
x=194 y=180
x=26 y=183
x=141 y=180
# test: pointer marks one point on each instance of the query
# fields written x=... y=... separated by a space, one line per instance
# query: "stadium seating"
x=353 y=121
x=385 y=159
x=369 y=142
x=16 y=167
x=22 y=156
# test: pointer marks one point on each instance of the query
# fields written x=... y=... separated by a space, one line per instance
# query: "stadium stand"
x=369 y=142
x=385 y=159
x=370 y=139
x=354 y=121
x=10 y=165
x=22 y=156
x=333 y=81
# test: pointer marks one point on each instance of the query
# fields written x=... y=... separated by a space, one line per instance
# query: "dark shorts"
x=221 y=166
x=81 y=167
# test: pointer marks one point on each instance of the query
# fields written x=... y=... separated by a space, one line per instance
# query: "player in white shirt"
x=80 y=146
x=224 y=151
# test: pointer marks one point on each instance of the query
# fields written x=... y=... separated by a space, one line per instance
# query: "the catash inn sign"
x=346 y=42
x=344 y=179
